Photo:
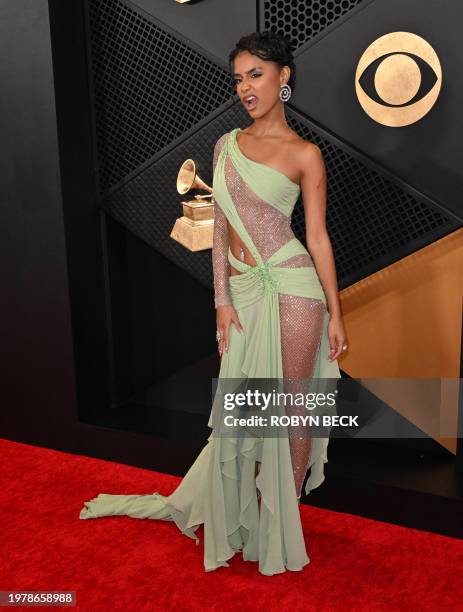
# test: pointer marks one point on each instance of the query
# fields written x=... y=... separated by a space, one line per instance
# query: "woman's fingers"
x=221 y=341
x=335 y=347
x=331 y=340
x=339 y=343
x=237 y=324
x=224 y=328
x=220 y=346
x=225 y=336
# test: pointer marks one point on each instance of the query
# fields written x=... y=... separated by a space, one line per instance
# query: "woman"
x=275 y=320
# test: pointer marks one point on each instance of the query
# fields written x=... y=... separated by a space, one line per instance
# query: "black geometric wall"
x=151 y=88
x=372 y=221
x=147 y=204
x=426 y=154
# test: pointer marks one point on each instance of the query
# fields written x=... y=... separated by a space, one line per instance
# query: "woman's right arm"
x=221 y=268
x=220 y=263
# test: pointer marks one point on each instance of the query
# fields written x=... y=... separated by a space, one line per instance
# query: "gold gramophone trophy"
x=196 y=228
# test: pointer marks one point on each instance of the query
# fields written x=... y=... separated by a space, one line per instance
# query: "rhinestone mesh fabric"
x=301 y=318
x=220 y=243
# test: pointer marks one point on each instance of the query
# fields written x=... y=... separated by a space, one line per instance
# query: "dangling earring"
x=285 y=92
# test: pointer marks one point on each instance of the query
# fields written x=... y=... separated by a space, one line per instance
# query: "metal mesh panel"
x=149 y=87
x=372 y=221
x=149 y=204
x=301 y=20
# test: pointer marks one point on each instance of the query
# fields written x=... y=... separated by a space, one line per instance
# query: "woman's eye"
x=238 y=81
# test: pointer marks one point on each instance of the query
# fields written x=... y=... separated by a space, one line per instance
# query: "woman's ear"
x=285 y=74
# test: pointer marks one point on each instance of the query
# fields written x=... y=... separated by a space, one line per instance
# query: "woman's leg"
x=301 y=321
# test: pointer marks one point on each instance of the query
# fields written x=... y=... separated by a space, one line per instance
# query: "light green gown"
x=220 y=489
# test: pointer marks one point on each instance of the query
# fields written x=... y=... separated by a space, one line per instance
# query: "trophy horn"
x=195 y=229
x=188 y=178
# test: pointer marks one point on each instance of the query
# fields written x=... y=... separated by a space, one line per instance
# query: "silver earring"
x=285 y=92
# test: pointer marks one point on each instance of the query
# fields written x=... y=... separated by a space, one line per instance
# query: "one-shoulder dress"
x=281 y=306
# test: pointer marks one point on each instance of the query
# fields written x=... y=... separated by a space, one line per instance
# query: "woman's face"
x=260 y=79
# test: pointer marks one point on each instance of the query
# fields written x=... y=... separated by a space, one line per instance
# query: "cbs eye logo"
x=398 y=79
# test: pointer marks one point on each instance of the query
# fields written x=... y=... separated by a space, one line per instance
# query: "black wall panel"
x=209 y=26
x=36 y=339
x=149 y=87
x=372 y=217
x=427 y=154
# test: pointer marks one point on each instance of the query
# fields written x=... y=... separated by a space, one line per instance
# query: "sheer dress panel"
x=301 y=318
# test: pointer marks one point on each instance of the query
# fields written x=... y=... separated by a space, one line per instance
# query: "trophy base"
x=194 y=235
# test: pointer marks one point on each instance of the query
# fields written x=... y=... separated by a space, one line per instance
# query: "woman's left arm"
x=314 y=196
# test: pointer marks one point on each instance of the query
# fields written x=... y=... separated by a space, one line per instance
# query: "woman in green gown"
x=275 y=321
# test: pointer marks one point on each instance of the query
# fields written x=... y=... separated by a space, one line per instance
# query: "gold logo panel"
x=398 y=79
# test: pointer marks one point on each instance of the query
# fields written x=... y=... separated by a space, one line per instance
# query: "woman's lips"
x=252 y=103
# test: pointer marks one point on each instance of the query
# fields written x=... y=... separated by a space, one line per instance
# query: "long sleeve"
x=220 y=263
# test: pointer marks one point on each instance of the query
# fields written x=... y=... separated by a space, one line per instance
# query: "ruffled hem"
x=317 y=469
x=220 y=492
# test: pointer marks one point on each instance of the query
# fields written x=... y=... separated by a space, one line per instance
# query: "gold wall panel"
x=405 y=322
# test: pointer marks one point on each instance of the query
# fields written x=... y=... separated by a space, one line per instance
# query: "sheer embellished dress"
x=244 y=490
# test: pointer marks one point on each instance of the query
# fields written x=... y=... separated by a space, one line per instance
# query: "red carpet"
x=117 y=563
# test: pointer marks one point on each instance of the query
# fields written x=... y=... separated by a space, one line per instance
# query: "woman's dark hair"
x=267 y=45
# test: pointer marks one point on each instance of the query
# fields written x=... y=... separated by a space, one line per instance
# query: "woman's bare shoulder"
x=303 y=146
x=307 y=155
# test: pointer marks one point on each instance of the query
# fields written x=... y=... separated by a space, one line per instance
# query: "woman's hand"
x=337 y=337
x=225 y=316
